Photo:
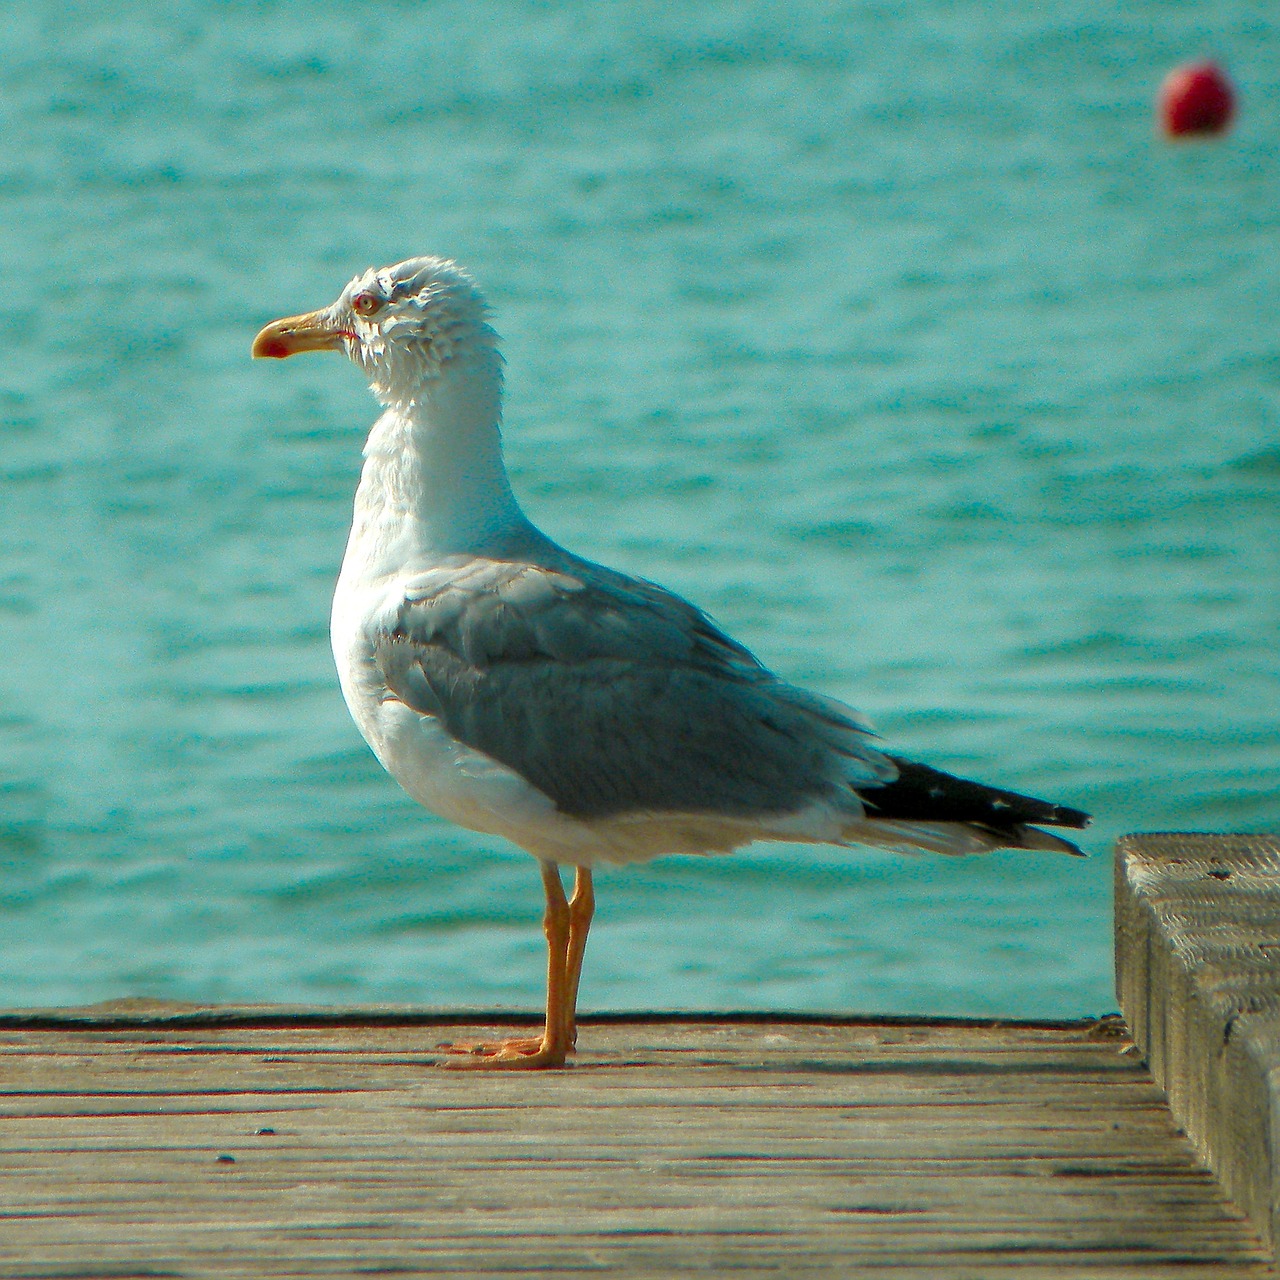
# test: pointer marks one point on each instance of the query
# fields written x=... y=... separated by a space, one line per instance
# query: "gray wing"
x=611 y=695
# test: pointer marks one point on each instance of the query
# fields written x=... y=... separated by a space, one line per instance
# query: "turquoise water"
x=891 y=335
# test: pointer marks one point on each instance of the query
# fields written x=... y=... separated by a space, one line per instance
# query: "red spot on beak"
x=287 y=337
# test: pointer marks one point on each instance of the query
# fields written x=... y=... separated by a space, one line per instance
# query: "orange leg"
x=551 y=1049
x=582 y=906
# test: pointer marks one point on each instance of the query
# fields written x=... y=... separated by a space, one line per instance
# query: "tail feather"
x=955 y=839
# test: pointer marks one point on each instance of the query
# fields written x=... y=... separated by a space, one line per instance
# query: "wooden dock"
x=142 y=1140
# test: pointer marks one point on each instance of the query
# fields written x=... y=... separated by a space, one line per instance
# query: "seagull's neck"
x=434 y=482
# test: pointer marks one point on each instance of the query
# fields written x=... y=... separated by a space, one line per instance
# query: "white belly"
x=442 y=774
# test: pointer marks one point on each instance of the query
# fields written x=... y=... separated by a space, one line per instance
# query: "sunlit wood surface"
x=953 y=1152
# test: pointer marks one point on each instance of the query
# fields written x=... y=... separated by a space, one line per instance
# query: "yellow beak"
x=314 y=331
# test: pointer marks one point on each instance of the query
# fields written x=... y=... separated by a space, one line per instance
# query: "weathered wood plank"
x=1198 y=973
x=955 y=1150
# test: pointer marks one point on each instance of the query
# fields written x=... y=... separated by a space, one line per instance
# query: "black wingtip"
x=923 y=793
x=1065 y=816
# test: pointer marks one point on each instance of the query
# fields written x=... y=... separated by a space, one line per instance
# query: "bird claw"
x=510 y=1055
x=525 y=1045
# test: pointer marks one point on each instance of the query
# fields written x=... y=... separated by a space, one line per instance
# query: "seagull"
x=586 y=716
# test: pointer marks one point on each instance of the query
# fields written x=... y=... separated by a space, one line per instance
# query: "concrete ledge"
x=1198 y=976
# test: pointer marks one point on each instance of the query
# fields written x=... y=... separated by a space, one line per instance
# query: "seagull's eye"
x=365 y=304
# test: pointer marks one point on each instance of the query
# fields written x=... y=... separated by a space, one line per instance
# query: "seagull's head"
x=406 y=326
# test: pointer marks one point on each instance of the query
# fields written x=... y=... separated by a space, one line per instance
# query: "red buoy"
x=1196 y=98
